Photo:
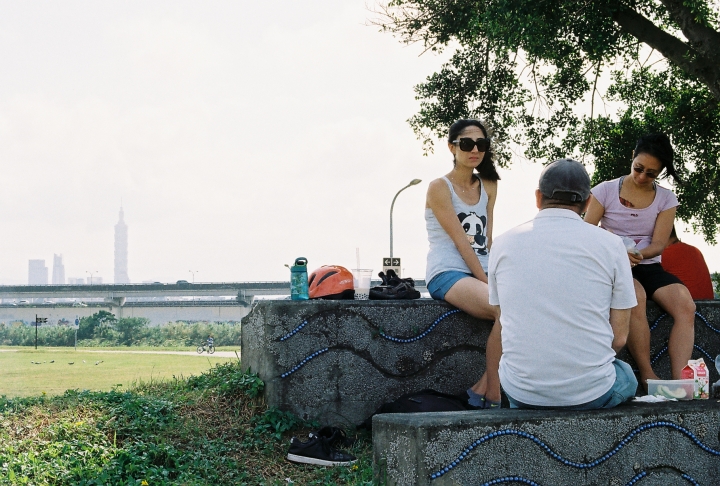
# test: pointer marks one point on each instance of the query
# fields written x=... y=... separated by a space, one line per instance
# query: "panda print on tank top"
x=474 y=227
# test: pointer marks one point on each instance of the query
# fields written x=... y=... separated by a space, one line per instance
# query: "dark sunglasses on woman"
x=467 y=144
x=651 y=175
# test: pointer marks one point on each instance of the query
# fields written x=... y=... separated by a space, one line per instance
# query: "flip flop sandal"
x=393 y=279
x=397 y=292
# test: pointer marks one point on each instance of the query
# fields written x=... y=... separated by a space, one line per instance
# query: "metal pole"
x=36 y=324
x=412 y=183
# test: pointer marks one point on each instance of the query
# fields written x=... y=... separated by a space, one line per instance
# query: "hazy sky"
x=238 y=135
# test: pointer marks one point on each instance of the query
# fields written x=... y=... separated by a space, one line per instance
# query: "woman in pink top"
x=636 y=208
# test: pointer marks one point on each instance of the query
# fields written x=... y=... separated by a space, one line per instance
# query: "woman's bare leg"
x=638 y=341
x=471 y=296
x=677 y=301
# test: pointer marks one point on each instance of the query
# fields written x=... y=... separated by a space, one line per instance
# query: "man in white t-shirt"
x=564 y=291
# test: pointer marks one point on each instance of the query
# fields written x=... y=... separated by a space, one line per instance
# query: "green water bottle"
x=299 y=280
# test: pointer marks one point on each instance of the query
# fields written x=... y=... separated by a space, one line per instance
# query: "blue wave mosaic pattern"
x=389 y=338
x=702 y=317
x=644 y=474
x=664 y=350
x=520 y=479
x=303 y=362
x=422 y=334
x=511 y=479
x=660 y=353
x=579 y=465
x=294 y=331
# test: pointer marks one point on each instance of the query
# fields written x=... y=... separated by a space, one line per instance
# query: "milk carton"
x=697 y=371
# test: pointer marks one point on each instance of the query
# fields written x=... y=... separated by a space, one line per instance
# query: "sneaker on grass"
x=317 y=451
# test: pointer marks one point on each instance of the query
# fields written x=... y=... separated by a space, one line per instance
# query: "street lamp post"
x=412 y=183
x=193 y=274
x=91 y=275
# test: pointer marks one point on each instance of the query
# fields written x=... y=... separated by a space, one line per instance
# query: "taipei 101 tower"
x=121 y=251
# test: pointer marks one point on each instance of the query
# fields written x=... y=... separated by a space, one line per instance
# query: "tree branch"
x=704 y=38
x=675 y=50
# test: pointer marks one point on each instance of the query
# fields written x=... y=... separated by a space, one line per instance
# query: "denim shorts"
x=622 y=390
x=441 y=283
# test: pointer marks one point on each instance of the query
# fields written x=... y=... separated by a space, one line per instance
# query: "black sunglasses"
x=651 y=175
x=467 y=144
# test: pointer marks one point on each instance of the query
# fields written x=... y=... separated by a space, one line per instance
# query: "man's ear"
x=538 y=198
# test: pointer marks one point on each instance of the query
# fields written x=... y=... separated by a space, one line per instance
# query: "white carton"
x=696 y=370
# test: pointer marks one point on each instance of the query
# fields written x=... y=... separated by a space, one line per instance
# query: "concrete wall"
x=338 y=361
x=330 y=359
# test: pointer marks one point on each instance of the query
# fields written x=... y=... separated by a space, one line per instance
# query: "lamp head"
x=414 y=182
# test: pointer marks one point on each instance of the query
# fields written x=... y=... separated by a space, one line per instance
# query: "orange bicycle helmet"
x=331 y=282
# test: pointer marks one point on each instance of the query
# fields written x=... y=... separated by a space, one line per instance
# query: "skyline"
x=235 y=137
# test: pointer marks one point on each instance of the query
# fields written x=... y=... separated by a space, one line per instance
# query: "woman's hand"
x=635 y=258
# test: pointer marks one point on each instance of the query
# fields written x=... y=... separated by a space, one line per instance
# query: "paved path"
x=219 y=354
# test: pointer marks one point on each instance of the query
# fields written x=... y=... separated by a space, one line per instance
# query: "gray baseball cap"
x=566 y=180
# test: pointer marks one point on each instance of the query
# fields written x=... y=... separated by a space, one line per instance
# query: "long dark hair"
x=658 y=145
x=486 y=169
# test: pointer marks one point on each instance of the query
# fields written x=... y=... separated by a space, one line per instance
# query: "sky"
x=236 y=136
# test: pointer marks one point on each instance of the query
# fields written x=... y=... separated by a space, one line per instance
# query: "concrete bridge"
x=117 y=292
x=120 y=294
x=161 y=303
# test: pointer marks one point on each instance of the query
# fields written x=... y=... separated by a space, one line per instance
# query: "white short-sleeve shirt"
x=555 y=279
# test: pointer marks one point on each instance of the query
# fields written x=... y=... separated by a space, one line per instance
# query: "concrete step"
x=666 y=444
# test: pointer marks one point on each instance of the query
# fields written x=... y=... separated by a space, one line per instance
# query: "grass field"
x=20 y=377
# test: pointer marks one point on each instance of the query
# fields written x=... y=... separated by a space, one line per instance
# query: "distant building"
x=76 y=281
x=37 y=272
x=58 y=276
x=121 y=251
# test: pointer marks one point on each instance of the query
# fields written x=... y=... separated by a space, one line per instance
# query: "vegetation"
x=537 y=71
x=104 y=329
x=716 y=283
x=209 y=429
x=51 y=371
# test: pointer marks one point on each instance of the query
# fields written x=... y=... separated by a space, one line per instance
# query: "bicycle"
x=210 y=349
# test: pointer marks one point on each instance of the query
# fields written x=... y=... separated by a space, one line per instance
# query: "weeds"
x=208 y=429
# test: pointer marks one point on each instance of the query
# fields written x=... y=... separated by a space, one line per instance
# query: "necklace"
x=457 y=185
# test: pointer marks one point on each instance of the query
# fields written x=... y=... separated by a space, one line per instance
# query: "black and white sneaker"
x=317 y=451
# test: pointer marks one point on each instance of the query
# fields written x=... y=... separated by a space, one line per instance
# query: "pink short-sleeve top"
x=634 y=223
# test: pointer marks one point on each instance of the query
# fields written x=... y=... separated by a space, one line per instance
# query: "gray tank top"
x=443 y=254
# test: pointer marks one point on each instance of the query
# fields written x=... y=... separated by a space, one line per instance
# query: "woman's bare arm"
x=661 y=234
x=491 y=189
x=595 y=211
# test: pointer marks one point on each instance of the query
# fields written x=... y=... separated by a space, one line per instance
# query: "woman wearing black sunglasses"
x=459 y=219
x=636 y=208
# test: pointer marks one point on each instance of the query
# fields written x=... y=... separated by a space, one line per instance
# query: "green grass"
x=213 y=428
x=19 y=377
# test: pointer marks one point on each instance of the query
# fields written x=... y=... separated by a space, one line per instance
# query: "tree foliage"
x=578 y=78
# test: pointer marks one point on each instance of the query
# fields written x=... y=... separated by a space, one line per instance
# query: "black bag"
x=422 y=401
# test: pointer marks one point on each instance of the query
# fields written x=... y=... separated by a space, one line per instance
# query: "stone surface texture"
x=360 y=369
x=655 y=443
